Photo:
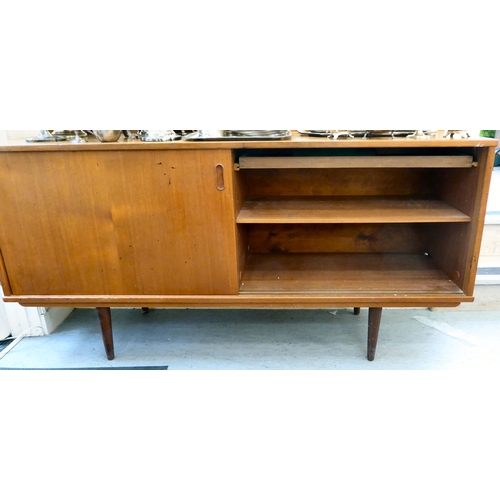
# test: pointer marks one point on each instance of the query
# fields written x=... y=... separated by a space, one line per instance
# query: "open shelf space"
x=379 y=273
x=347 y=209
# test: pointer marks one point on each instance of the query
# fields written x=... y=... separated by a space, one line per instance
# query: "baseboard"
x=488 y=276
x=52 y=317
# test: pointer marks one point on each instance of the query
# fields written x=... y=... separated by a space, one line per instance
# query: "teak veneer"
x=305 y=222
x=346 y=210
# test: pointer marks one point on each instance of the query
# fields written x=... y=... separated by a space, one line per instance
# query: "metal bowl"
x=107 y=135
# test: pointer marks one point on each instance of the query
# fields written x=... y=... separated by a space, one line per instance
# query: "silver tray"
x=364 y=134
x=195 y=136
x=149 y=139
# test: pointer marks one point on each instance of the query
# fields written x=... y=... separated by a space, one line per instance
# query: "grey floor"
x=410 y=339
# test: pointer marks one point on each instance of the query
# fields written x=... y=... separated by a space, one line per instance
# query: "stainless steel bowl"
x=107 y=135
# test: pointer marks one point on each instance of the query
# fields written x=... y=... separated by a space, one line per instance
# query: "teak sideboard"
x=296 y=223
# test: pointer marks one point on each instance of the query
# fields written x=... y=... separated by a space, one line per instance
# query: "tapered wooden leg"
x=374 y=317
x=104 y=314
x=357 y=310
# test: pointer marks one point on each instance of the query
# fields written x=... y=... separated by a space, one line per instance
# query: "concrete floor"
x=410 y=339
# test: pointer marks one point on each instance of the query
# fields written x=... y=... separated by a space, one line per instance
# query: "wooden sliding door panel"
x=109 y=222
x=58 y=234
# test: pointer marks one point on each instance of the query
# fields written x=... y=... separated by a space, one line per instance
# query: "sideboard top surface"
x=297 y=141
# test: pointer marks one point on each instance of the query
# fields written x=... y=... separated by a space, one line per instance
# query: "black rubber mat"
x=5 y=343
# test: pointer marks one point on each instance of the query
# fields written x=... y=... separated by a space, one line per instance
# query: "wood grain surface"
x=395 y=161
x=339 y=182
x=329 y=209
x=378 y=273
x=338 y=238
x=296 y=142
x=135 y=222
x=456 y=248
x=4 y=277
x=291 y=300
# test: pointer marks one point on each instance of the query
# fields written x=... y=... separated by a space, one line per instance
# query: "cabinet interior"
x=387 y=229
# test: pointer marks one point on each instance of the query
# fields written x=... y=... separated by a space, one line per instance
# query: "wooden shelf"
x=309 y=273
x=330 y=209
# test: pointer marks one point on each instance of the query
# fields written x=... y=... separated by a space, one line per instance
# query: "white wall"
x=17 y=134
x=16 y=319
x=20 y=134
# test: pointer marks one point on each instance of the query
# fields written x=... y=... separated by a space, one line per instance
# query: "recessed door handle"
x=220 y=177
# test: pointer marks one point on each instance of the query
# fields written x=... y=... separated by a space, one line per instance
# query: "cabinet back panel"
x=338 y=182
x=358 y=238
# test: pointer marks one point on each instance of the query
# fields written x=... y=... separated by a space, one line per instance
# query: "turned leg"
x=104 y=314
x=374 y=317
x=357 y=310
